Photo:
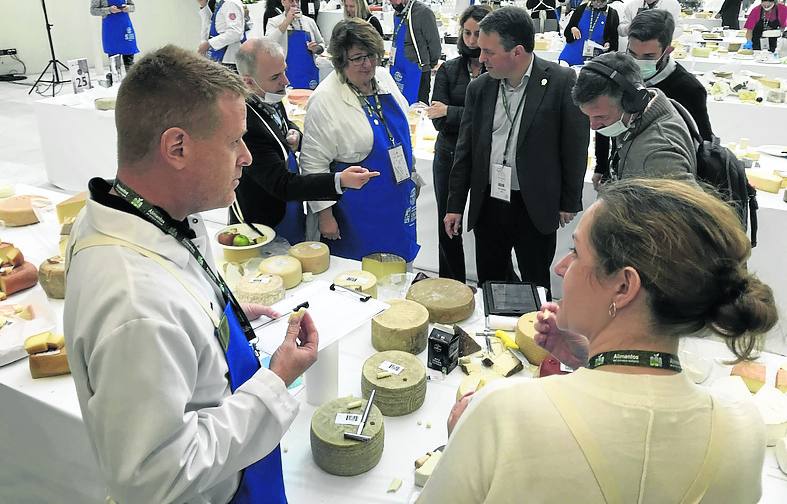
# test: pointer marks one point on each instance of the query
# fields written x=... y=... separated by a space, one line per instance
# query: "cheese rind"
x=52 y=277
x=18 y=279
x=51 y=363
x=315 y=257
x=261 y=288
x=403 y=326
x=525 y=338
x=287 y=267
x=69 y=209
x=447 y=300
x=423 y=473
x=358 y=280
x=398 y=394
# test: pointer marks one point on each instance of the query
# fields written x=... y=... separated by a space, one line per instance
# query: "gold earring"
x=613 y=310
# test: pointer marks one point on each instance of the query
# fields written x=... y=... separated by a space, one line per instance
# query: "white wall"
x=77 y=34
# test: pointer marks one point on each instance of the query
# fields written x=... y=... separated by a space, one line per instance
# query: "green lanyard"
x=508 y=115
x=375 y=110
x=154 y=216
x=637 y=358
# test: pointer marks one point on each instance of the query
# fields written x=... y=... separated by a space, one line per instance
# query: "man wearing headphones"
x=652 y=138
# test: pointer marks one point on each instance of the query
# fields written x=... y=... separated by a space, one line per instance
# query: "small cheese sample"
x=383 y=265
x=781 y=454
x=10 y=255
x=403 y=326
x=700 y=52
x=402 y=392
x=506 y=364
x=773 y=408
x=395 y=485
x=770 y=83
x=68 y=209
x=752 y=373
x=525 y=338
x=44 y=342
x=314 y=256
x=52 y=277
x=105 y=103
x=47 y=355
x=16 y=279
x=476 y=381
x=18 y=210
x=261 y=288
x=345 y=457
x=358 y=280
x=447 y=300
x=287 y=267
x=423 y=473
x=764 y=181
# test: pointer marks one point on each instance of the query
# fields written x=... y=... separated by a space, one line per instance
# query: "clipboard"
x=510 y=299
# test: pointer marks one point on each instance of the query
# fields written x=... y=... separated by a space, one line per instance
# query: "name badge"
x=587 y=50
x=311 y=9
x=501 y=182
x=399 y=163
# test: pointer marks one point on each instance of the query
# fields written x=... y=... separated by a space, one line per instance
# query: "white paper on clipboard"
x=335 y=314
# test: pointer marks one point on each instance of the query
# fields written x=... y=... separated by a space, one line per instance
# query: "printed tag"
x=399 y=164
x=501 y=182
x=80 y=75
x=348 y=419
x=311 y=9
x=391 y=367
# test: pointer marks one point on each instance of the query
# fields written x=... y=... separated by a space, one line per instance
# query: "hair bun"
x=746 y=308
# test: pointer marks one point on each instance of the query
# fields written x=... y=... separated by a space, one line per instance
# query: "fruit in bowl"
x=241 y=242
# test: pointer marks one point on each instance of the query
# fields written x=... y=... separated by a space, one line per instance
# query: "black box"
x=443 y=352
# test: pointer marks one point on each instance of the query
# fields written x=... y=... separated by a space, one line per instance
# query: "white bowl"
x=240 y=254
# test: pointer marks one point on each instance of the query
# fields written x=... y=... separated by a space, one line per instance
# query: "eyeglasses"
x=362 y=58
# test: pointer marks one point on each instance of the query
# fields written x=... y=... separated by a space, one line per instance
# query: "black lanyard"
x=154 y=216
x=403 y=22
x=375 y=110
x=508 y=114
x=637 y=358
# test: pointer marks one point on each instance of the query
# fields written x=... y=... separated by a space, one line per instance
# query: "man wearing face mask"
x=271 y=189
x=415 y=50
x=633 y=7
x=652 y=138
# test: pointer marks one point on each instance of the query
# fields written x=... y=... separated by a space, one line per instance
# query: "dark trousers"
x=502 y=226
x=425 y=87
x=451 y=251
x=128 y=60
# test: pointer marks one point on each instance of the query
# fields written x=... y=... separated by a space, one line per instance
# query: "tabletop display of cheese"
x=400 y=380
x=314 y=256
x=52 y=277
x=358 y=280
x=525 y=334
x=47 y=355
x=753 y=374
x=105 y=103
x=70 y=208
x=17 y=278
x=383 y=265
x=287 y=267
x=773 y=408
x=346 y=457
x=447 y=300
x=403 y=326
x=18 y=210
x=260 y=288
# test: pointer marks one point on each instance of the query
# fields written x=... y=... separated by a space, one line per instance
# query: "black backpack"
x=719 y=167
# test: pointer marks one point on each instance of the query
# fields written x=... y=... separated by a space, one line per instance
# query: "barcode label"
x=391 y=367
x=348 y=419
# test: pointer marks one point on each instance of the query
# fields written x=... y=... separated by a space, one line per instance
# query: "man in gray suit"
x=521 y=153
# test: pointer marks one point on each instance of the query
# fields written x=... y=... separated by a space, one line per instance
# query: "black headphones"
x=635 y=96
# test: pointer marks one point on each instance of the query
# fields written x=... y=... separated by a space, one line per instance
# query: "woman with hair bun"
x=653 y=261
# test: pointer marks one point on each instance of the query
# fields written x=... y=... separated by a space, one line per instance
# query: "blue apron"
x=218 y=54
x=263 y=481
x=117 y=32
x=406 y=73
x=572 y=52
x=301 y=70
x=381 y=216
x=293 y=225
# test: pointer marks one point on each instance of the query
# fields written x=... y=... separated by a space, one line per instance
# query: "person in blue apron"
x=765 y=26
x=302 y=42
x=593 y=22
x=406 y=73
x=223 y=30
x=117 y=32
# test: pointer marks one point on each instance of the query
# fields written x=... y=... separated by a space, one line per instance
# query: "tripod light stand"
x=54 y=62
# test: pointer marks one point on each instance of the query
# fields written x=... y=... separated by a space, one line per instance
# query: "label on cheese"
x=391 y=367
x=314 y=256
x=348 y=419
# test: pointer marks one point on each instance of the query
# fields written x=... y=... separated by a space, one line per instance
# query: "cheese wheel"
x=404 y=326
x=314 y=256
x=476 y=381
x=383 y=265
x=346 y=457
x=260 y=288
x=525 y=334
x=18 y=210
x=397 y=394
x=52 y=277
x=358 y=280
x=105 y=103
x=447 y=300
x=51 y=363
x=68 y=209
x=18 y=279
x=287 y=267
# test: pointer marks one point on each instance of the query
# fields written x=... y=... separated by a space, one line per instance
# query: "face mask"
x=614 y=129
x=647 y=68
x=399 y=8
x=270 y=98
x=470 y=53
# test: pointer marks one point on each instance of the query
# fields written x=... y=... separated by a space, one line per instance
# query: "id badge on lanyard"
x=501 y=182
x=587 y=50
x=311 y=9
x=392 y=59
x=398 y=163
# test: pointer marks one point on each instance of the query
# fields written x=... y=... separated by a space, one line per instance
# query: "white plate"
x=245 y=229
x=774 y=150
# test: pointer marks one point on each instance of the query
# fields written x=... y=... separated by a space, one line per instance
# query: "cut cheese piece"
x=423 y=473
x=700 y=52
x=525 y=338
x=781 y=454
x=781 y=378
x=397 y=394
x=68 y=209
x=52 y=277
x=10 y=255
x=105 y=103
x=773 y=409
x=447 y=300
x=62 y=245
x=770 y=83
x=51 y=363
x=44 y=342
x=403 y=326
x=260 y=288
x=476 y=381
x=506 y=364
x=764 y=181
x=287 y=267
x=383 y=265
x=752 y=373
x=18 y=279
x=315 y=257
x=65 y=229
x=345 y=457
x=358 y=280
x=18 y=210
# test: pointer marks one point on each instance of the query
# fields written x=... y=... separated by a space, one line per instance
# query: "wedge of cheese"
x=10 y=255
x=752 y=373
x=69 y=208
x=423 y=473
x=764 y=181
x=18 y=210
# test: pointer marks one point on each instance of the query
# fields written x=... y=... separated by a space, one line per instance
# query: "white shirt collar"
x=525 y=77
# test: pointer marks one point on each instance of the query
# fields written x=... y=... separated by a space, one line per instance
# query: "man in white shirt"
x=173 y=397
x=632 y=7
x=223 y=30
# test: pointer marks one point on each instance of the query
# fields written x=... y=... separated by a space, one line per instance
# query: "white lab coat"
x=630 y=8
x=336 y=127
x=150 y=373
x=230 y=24
x=305 y=23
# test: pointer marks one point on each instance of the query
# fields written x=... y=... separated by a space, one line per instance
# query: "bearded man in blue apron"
x=175 y=402
x=117 y=32
x=223 y=30
x=302 y=42
x=416 y=49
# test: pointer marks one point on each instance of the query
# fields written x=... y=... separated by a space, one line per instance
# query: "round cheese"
x=105 y=103
x=476 y=381
x=52 y=277
x=358 y=280
x=448 y=301
x=287 y=267
x=397 y=393
x=260 y=288
x=18 y=210
x=346 y=457
x=314 y=256
x=403 y=326
x=525 y=338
